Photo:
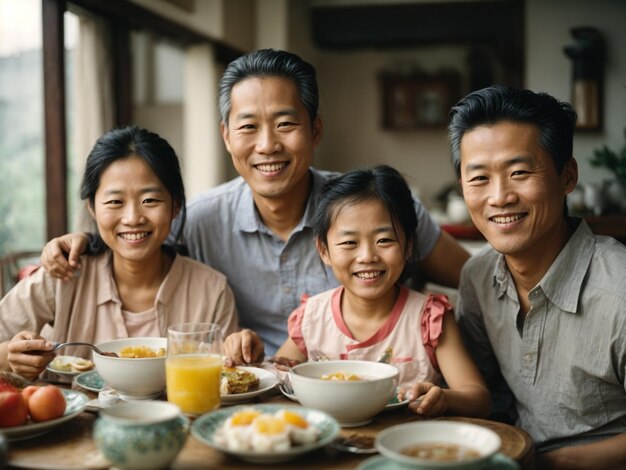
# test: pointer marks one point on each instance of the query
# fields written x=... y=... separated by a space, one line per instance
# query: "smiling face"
x=513 y=191
x=133 y=210
x=270 y=136
x=365 y=254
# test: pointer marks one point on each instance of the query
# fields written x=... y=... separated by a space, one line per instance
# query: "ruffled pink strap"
x=294 y=325
x=432 y=324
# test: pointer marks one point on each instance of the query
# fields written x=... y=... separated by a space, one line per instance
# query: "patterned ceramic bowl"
x=141 y=434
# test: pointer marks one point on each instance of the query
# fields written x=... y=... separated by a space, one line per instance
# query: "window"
x=22 y=174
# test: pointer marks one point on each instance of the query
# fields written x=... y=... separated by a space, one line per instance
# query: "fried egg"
x=269 y=434
x=236 y=430
x=300 y=430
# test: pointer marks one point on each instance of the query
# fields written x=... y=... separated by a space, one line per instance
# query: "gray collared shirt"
x=267 y=275
x=566 y=365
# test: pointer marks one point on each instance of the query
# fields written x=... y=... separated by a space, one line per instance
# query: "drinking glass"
x=193 y=366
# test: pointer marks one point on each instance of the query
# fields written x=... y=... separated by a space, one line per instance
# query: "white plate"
x=66 y=372
x=393 y=403
x=267 y=381
x=75 y=404
x=203 y=429
x=90 y=380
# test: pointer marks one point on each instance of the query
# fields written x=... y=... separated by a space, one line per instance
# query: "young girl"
x=365 y=231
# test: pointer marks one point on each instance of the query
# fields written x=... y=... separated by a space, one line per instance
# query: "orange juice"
x=193 y=382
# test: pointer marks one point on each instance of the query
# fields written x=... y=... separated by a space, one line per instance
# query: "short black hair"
x=555 y=119
x=270 y=63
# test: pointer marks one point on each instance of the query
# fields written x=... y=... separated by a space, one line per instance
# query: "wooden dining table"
x=70 y=445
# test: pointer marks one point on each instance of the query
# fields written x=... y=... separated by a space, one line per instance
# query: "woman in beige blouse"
x=132 y=284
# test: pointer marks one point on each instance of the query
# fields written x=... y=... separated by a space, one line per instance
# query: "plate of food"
x=75 y=403
x=70 y=365
x=242 y=431
x=90 y=381
x=241 y=384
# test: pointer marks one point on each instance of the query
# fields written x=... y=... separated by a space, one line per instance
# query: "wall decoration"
x=418 y=100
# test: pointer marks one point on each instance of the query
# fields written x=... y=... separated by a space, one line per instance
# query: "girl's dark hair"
x=155 y=151
x=382 y=183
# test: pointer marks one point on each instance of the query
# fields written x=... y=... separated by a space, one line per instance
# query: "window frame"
x=123 y=16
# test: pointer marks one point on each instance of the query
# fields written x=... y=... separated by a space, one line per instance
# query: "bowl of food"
x=438 y=444
x=352 y=392
x=138 y=373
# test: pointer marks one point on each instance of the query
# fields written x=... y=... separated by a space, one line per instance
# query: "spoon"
x=355 y=443
x=58 y=346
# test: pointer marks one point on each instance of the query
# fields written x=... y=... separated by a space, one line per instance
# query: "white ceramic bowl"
x=391 y=441
x=141 y=435
x=351 y=403
x=133 y=379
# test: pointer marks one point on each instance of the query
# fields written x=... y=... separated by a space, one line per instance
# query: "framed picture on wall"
x=417 y=101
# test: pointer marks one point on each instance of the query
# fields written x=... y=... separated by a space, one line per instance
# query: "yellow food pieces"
x=341 y=375
x=137 y=352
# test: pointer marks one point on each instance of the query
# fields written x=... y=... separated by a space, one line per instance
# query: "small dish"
x=75 y=404
x=90 y=381
x=267 y=381
x=205 y=427
x=380 y=462
x=67 y=360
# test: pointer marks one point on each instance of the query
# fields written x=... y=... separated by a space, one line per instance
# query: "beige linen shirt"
x=191 y=292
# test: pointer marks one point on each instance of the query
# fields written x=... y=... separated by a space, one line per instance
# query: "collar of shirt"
x=247 y=216
x=107 y=292
x=563 y=281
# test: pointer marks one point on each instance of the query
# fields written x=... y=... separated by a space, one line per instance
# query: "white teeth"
x=368 y=275
x=134 y=236
x=506 y=220
x=267 y=168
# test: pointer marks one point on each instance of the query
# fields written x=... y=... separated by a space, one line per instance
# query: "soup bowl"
x=133 y=378
x=141 y=435
x=352 y=402
x=396 y=441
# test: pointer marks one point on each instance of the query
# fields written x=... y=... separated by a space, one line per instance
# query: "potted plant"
x=614 y=161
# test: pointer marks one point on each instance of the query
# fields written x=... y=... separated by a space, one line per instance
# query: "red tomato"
x=46 y=403
x=12 y=409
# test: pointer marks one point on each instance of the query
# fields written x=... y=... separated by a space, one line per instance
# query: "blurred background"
x=388 y=72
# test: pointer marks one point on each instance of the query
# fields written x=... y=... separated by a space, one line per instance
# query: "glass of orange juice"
x=193 y=366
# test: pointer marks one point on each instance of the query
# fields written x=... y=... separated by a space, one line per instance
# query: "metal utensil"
x=355 y=444
x=386 y=355
x=58 y=346
x=318 y=355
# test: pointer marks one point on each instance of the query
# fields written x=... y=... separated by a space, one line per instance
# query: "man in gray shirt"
x=544 y=306
x=256 y=229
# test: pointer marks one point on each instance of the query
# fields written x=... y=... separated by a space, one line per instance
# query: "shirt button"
x=284 y=258
x=528 y=357
x=286 y=289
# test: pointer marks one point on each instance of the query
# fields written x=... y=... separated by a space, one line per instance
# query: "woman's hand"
x=426 y=399
x=60 y=256
x=26 y=354
x=243 y=347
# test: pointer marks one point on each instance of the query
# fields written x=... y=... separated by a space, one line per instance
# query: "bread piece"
x=236 y=380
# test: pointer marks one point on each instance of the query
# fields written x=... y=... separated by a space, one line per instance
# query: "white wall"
x=548 y=24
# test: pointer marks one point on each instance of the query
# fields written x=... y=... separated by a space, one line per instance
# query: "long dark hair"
x=155 y=151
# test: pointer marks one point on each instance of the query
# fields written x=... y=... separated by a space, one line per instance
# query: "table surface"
x=70 y=445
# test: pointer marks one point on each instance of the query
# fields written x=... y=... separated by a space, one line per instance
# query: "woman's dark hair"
x=555 y=119
x=155 y=151
x=270 y=63
x=382 y=183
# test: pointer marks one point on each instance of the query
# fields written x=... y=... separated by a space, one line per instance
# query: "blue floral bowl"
x=141 y=434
